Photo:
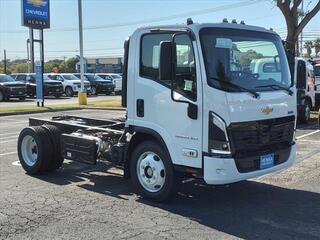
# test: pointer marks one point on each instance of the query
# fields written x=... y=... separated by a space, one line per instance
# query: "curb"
x=58 y=110
x=37 y=111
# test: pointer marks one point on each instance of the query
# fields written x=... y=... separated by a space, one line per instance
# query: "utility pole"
x=5 y=61
x=82 y=94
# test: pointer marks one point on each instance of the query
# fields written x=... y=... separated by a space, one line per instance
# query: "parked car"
x=306 y=85
x=316 y=69
x=50 y=87
x=71 y=84
x=269 y=68
x=116 y=79
x=98 y=84
x=9 y=88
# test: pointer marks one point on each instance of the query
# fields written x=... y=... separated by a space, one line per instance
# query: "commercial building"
x=102 y=65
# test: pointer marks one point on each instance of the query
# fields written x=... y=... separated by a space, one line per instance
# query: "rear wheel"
x=34 y=149
x=305 y=113
x=57 y=159
x=69 y=92
x=152 y=172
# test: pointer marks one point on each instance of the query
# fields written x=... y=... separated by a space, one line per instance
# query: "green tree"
x=19 y=68
x=51 y=64
x=292 y=14
x=316 y=45
x=70 y=65
x=308 y=45
x=247 y=57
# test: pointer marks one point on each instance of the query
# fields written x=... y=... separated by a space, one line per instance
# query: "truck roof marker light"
x=234 y=21
x=189 y=21
x=225 y=20
x=242 y=22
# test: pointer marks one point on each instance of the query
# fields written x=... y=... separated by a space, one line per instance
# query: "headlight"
x=218 y=138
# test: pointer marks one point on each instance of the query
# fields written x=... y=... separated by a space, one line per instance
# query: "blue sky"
x=108 y=22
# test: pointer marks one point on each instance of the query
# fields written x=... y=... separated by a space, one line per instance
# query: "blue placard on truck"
x=35 y=13
x=39 y=82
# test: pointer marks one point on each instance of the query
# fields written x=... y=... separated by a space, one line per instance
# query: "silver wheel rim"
x=69 y=92
x=151 y=172
x=29 y=150
x=93 y=91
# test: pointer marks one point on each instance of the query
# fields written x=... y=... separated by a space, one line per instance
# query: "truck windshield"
x=70 y=77
x=252 y=60
x=6 y=78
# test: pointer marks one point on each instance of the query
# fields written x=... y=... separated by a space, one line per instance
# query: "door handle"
x=140 y=108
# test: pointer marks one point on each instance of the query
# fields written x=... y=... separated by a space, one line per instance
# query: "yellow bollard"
x=82 y=98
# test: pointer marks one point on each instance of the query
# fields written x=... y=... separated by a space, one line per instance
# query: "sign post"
x=35 y=14
x=39 y=83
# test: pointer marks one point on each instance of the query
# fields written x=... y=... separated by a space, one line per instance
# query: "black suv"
x=50 y=87
x=98 y=84
x=9 y=88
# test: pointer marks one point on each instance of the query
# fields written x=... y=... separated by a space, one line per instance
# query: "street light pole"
x=82 y=94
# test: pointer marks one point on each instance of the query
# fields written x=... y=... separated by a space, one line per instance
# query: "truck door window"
x=149 y=58
x=185 y=70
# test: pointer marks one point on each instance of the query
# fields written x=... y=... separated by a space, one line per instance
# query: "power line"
x=152 y=20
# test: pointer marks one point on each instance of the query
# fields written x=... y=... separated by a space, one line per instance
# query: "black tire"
x=43 y=149
x=2 y=98
x=170 y=185
x=305 y=113
x=69 y=92
x=94 y=91
x=57 y=159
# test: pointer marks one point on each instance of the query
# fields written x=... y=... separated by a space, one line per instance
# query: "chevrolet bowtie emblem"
x=267 y=110
x=37 y=3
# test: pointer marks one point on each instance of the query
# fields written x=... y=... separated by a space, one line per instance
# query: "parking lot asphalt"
x=50 y=101
x=94 y=202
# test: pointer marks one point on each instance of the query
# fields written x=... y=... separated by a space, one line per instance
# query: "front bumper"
x=105 y=88
x=224 y=170
x=77 y=89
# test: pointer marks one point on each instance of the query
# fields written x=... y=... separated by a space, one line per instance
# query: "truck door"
x=155 y=108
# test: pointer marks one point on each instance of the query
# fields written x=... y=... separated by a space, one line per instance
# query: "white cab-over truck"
x=194 y=109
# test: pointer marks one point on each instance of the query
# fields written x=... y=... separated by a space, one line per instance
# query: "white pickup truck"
x=194 y=109
x=71 y=84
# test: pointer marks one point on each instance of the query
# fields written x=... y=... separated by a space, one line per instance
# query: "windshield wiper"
x=276 y=87
x=253 y=93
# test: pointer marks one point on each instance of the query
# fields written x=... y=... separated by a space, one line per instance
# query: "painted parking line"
x=9 y=134
x=8 y=138
x=307 y=135
x=12 y=140
x=9 y=153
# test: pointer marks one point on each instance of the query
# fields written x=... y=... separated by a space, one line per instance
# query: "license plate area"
x=266 y=161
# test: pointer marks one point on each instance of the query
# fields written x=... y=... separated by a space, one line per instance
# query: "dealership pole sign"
x=36 y=13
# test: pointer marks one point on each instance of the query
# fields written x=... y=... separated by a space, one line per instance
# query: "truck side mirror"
x=165 y=61
x=301 y=75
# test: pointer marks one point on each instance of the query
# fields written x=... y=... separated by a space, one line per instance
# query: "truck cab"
x=195 y=107
x=230 y=124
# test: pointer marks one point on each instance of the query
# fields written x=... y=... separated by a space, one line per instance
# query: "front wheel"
x=152 y=172
x=305 y=113
x=69 y=92
x=93 y=91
